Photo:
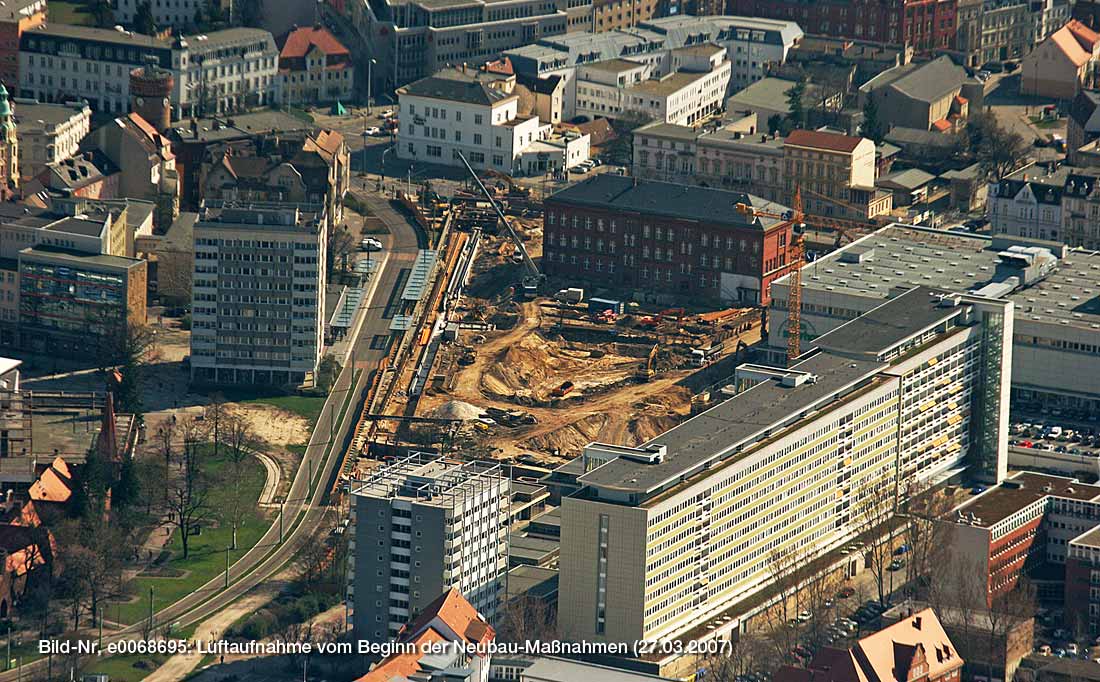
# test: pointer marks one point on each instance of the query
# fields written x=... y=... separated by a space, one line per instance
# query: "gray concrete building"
x=258 y=294
x=1055 y=356
x=420 y=526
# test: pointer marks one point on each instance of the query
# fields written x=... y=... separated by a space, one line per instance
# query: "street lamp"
x=369 y=64
x=382 y=177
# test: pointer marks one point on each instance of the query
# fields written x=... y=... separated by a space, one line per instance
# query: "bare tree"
x=874 y=512
x=927 y=531
x=241 y=442
x=165 y=435
x=189 y=491
x=788 y=565
x=1005 y=613
x=525 y=618
x=342 y=246
x=216 y=414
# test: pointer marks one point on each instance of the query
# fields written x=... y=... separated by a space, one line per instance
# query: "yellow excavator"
x=647 y=370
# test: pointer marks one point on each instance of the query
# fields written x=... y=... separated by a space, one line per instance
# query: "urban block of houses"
x=936 y=95
x=750 y=43
x=1063 y=64
x=1060 y=206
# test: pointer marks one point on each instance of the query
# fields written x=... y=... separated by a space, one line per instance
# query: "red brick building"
x=665 y=238
x=927 y=25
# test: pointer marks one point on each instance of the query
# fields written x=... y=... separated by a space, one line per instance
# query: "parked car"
x=804 y=616
x=370 y=244
x=372 y=131
x=387 y=113
x=845 y=592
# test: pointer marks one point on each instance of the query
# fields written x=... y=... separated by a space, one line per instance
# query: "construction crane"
x=795 y=251
x=531 y=280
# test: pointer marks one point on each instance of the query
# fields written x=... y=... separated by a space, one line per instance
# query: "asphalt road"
x=269 y=555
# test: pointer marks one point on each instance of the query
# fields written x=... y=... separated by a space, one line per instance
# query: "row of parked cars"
x=1032 y=435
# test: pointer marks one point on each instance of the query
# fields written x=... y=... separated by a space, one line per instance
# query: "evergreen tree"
x=872 y=125
x=143 y=19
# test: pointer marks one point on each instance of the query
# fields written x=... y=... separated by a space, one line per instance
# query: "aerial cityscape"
x=550 y=340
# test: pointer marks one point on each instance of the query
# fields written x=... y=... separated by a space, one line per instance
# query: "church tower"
x=9 y=148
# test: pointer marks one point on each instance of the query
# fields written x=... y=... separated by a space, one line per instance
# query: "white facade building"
x=179 y=14
x=750 y=45
x=219 y=72
x=48 y=133
x=258 y=294
x=692 y=91
x=474 y=113
x=1026 y=208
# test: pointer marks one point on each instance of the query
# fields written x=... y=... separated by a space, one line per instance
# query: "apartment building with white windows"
x=676 y=533
x=420 y=526
x=472 y=112
x=621 y=88
x=219 y=72
x=751 y=44
x=258 y=293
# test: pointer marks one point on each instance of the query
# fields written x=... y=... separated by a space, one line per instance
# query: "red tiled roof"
x=458 y=614
x=299 y=41
x=402 y=666
x=1084 y=35
x=960 y=100
x=822 y=140
x=53 y=485
x=1065 y=40
x=942 y=125
x=501 y=66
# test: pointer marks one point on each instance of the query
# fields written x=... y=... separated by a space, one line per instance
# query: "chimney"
x=916 y=622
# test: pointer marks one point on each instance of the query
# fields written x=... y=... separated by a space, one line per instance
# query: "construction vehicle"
x=701 y=357
x=647 y=370
x=531 y=281
x=505 y=179
x=562 y=390
x=795 y=251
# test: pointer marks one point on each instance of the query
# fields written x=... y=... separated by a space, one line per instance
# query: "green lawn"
x=308 y=407
x=62 y=12
x=1037 y=121
x=207 y=551
x=122 y=669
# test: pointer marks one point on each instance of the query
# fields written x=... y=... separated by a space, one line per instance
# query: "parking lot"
x=1053 y=437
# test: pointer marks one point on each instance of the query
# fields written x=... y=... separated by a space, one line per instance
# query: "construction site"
x=495 y=362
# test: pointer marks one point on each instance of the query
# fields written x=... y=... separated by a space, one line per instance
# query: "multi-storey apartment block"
x=621 y=88
x=659 y=237
x=421 y=526
x=258 y=294
x=679 y=530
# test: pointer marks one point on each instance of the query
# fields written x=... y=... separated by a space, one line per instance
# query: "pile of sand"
x=456 y=409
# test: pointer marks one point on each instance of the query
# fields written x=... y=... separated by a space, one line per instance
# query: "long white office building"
x=664 y=538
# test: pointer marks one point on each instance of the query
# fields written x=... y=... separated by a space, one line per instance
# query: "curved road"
x=268 y=556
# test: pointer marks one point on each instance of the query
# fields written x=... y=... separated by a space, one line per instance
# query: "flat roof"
x=533 y=581
x=669 y=84
x=1023 y=489
x=1090 y=538
x=29 y=112
x=899 y=257
x=667 y=131
x=888 y=324
x=73 y=225
x=743 y=420
x=79 y=257
x=615 y=65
